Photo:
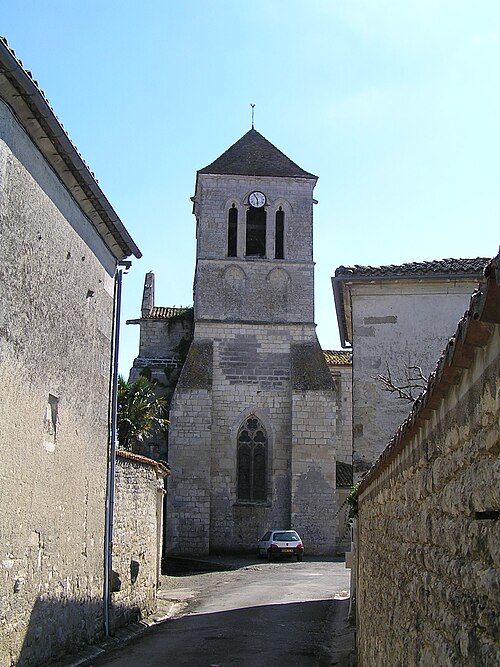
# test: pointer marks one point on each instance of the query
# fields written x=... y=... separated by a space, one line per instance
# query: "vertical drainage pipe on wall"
x=110 y=482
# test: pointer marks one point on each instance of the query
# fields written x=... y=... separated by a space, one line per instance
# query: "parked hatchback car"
x=280 y=543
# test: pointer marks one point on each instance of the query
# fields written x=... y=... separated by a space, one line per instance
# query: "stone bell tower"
x=251 y=442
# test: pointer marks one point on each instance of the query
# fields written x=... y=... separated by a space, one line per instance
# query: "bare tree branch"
x=413 y=383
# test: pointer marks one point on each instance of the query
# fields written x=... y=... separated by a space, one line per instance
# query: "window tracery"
x=252 y=445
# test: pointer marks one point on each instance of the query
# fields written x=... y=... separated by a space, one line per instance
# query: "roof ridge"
x=428 y=267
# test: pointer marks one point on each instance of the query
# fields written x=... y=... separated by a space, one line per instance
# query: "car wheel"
x=270 y=555
x=299 y=558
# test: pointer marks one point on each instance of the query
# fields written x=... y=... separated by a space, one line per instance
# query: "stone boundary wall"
x=429 y=553
x=136 y=536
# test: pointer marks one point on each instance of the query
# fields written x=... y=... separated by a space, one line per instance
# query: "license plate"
x=287 y=551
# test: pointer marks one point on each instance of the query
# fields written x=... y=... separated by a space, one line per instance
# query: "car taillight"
x=299 y=545
x=274 y=546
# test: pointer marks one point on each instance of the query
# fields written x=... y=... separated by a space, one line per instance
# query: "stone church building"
x=253 y=417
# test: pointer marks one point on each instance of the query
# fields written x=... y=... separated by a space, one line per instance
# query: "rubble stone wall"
x=428 y=577
x=136 y=534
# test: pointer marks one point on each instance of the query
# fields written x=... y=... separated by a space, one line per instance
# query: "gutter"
x=112 y=446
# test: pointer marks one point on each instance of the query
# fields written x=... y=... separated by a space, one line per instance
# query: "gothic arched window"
x=279 y=234
x=256 y=232
x=252 y=457
x=232 y=232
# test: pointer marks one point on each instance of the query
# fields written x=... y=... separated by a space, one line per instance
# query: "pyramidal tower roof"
x=254 y=155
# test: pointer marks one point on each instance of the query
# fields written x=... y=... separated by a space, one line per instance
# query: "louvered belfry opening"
x=252 y=454
x=256 y=232
x=279 y=234
x=232 y=232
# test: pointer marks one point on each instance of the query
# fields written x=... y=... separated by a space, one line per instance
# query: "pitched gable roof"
x=254 y=155
x=443 y=269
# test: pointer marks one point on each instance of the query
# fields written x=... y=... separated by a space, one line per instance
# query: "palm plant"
x=141 y=413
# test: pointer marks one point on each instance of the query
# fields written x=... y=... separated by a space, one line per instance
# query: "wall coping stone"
x=161 y=469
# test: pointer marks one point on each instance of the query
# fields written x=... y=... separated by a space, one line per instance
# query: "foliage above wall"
x=141 y=413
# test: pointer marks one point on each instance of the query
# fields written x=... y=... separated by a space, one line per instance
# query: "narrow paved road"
x=252 y=616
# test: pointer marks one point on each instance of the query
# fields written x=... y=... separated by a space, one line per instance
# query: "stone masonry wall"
x=136 y=535
x=429 y=555
x=313 y=502
x=56 y=304
x=251 y=374
x=245 y=288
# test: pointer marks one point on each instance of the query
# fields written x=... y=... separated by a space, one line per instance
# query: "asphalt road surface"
x=259 y=614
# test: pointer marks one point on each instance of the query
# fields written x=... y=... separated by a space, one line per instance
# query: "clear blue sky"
x=394 y=104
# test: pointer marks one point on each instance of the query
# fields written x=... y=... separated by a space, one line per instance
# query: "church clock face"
x=257 y=199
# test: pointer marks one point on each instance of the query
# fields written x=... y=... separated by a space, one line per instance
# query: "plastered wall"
x=56 y=300
x=396 y=324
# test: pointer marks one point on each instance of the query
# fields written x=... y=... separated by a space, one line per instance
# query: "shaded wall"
x=136 y=536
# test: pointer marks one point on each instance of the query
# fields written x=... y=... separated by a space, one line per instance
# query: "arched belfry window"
x=252 y=456
x=256 y=232
x=279 y=234
x=232 y=232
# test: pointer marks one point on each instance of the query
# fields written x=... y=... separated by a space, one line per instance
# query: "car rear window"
x=288 y=536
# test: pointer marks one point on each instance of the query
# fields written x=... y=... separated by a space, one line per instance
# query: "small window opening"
x=51 y=415
x=256 y=232
x=232 y=232
x=279 y=236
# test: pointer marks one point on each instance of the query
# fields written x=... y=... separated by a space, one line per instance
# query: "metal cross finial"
x=253 y=107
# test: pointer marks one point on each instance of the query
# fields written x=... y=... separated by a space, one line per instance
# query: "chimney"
x=148 y=296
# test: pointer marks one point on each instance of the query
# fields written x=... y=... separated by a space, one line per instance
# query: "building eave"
x=29 y=105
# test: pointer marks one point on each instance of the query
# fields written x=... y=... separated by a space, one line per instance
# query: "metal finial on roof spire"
x=253 y=107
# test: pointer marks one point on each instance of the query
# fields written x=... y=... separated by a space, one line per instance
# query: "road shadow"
x=297 y=634
x=182 y=565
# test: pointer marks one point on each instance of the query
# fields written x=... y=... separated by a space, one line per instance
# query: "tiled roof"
x=338 y=357
x=254 y=155
x=30 y=105
x=473 y=332
x=344 y=475
x=165 y=312
x=442 y=269
x=435 y=267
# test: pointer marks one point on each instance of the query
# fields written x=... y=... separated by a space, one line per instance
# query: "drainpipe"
x=113 y=441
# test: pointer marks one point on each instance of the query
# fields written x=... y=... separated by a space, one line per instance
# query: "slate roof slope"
x=473 y=332
x=438 y=267
x=26 y=99
x=254 y=155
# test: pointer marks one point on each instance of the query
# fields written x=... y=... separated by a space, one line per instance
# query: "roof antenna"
x=253 y=107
